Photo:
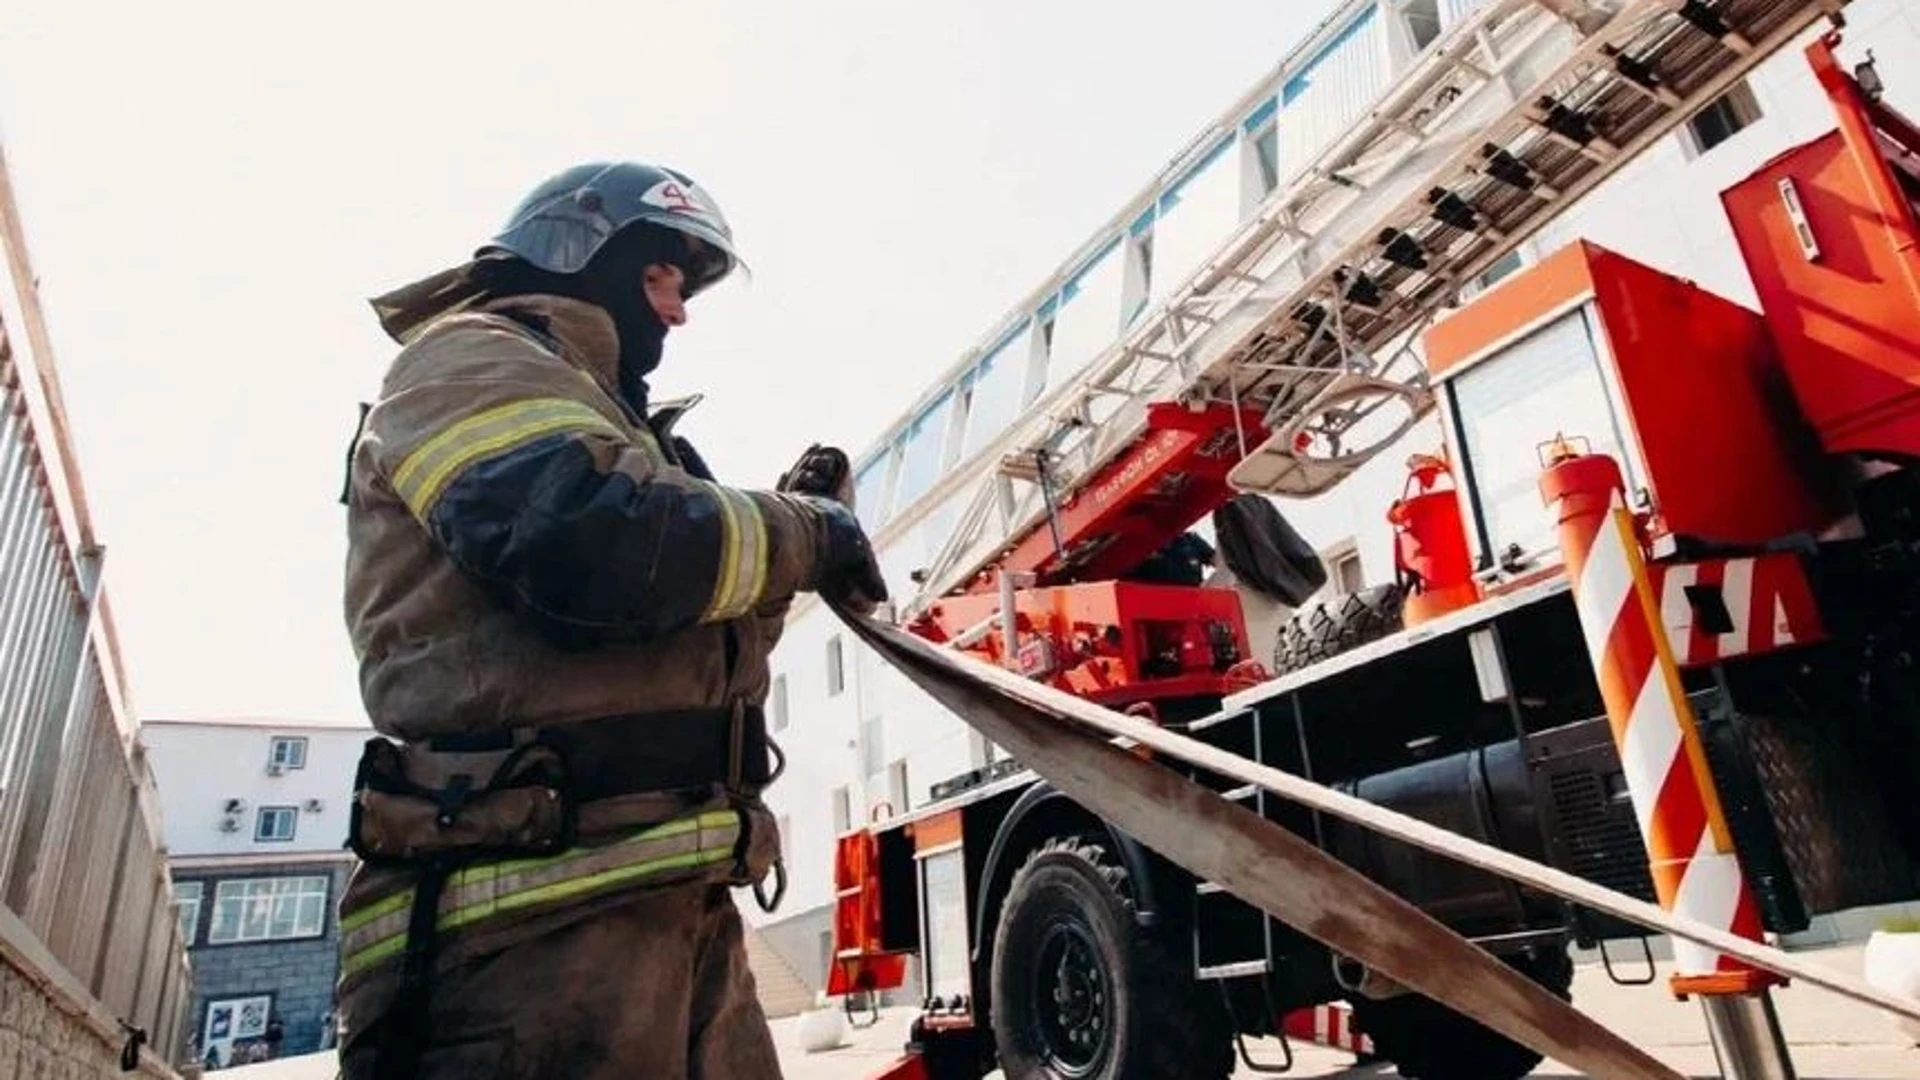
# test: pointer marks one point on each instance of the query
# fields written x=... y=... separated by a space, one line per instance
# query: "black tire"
x=1428 y=1041
x=1082 y=992
x=1332 y=627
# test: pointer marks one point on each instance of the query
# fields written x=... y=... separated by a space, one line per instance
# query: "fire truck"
x=1767 y=456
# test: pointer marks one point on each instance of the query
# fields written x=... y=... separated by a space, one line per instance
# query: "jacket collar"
x=583 y=334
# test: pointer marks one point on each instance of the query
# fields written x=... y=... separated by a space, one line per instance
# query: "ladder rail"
x=1233 y=331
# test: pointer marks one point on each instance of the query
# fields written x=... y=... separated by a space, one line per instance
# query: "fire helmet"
x=563 y=222
x=567 y=219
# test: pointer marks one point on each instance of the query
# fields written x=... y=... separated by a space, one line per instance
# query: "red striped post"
x=1690 y=849
x=1330 y=1025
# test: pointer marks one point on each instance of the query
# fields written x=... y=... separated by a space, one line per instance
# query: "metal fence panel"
x=126 y=940
x=151 y=978
x=38 y=765
x=67 y=851
x=81 y=857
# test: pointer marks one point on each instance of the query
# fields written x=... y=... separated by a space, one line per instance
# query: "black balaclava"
x=612 y=282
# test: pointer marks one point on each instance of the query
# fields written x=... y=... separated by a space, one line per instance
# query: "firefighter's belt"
x=531 y=792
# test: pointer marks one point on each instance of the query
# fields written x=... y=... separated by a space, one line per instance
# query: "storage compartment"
x=1680 y=386
x=1828 y=232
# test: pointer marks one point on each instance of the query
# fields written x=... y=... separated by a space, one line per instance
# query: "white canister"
x=1893 y=965
x=823 y=1028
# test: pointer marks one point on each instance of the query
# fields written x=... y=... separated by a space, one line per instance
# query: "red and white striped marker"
x=1329 y=1025
x=1690 y=850
x=1768 y=604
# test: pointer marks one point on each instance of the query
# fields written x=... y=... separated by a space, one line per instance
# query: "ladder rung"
x=1240 y=794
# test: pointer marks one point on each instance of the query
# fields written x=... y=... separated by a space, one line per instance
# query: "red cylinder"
x=1430 y=552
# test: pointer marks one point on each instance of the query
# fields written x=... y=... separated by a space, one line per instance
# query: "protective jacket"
x=533 y=566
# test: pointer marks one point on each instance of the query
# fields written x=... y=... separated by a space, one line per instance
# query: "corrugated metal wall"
x=80 y=840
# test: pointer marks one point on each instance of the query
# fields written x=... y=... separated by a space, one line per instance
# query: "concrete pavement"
x=1832 y=1039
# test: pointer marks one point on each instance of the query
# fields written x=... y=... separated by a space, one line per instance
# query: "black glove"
x=846 y=572
x=823 y=471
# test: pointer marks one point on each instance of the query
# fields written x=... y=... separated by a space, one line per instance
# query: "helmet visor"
x=703 y=265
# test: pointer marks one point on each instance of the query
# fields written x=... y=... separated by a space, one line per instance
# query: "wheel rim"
x=1073 y=1001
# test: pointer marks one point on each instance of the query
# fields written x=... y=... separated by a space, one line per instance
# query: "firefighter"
x=562 y=622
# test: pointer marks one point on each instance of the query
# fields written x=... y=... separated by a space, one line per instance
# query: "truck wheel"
x=1429 y=1041
x=1082 y=992
x=1334 y=626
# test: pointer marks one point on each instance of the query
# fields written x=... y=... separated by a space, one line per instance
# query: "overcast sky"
x=211 y=191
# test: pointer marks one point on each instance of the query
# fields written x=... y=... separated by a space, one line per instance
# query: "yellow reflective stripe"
x=561 y=890
x=753 y=552
x=425 y=473
x=572 y=887
x=397 y=902
x=742 y=574
x=373 y=954
x=486 y=881
x=468 y=885
x=712 y=819
x=378 y=932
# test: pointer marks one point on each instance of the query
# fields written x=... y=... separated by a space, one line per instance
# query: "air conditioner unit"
x=314 y=806
x=233 y=806
x=274 y=768
x=229 y=824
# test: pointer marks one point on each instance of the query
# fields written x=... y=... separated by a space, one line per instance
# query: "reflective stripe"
x=741 y=578
x=429 y=469
x=379 y=931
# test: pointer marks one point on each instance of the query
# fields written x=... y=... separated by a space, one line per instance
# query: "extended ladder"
x=1306 y=314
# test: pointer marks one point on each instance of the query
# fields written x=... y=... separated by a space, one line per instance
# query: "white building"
x=860 y=741
x=255 y=815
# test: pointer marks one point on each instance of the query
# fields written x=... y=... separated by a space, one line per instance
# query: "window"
x=778 y=699
x=1345 y=573
x=836 y=665
x=1723 y=118
x=842 y=810
x=275 y=824
x=232 y=1019
x=999 y=389
x=924 y=454
x=1423 y=21
x=268 y=909
x=1491 y=276
x=287 y=752
x=897 y=787
x=1140 y=273
x=870 y=492
x=186 y=901
x=1266 y=156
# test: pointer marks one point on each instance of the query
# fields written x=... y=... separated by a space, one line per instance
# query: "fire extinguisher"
x=1430 y=557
